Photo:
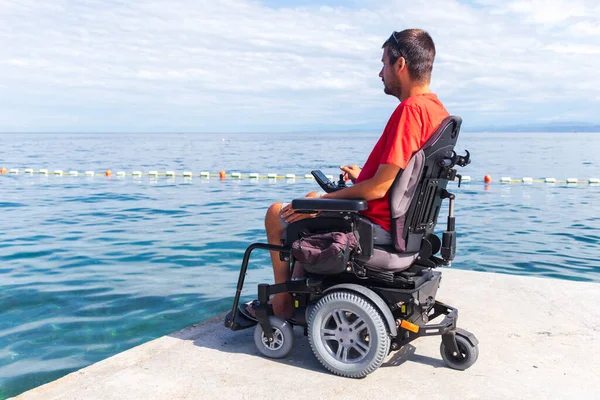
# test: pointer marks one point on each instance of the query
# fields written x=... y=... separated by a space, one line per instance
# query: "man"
x=406 y=73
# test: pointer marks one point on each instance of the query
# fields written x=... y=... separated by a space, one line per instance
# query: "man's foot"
x=247 y=311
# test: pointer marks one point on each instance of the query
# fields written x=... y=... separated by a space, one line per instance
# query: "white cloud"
x=240 y=65
x=550 y=11
x=575 y=48
x=588 y=27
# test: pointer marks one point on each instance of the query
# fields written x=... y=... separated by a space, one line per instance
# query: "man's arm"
x=371 y=189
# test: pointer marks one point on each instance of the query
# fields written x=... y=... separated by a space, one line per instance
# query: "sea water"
x=92 y=266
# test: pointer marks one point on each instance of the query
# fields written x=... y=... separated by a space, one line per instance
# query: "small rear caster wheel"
x=283 y=338
x=468 y=354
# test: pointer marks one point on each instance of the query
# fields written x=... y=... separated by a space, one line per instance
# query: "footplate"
x=239 y=322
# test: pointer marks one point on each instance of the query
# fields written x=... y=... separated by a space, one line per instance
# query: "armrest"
x=311 y=204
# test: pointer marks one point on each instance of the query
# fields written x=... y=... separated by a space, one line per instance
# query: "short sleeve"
x=403 y=138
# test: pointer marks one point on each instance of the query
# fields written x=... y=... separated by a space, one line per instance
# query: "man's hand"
x=351 y=172
x=290 y=215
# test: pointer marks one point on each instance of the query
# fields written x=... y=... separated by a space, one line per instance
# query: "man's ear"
x=401 y=64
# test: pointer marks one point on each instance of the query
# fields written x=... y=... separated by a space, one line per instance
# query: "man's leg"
x=283 y=305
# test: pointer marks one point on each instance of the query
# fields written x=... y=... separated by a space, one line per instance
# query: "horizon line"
x=469 y=130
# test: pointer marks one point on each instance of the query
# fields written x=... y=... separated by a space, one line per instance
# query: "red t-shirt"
x=409 y=127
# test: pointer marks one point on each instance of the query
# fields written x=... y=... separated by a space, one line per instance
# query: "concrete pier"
x=539 y=339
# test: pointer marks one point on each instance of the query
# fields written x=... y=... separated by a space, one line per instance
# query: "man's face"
x=391 y=84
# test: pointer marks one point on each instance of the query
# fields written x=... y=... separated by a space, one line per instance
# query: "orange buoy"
x=487 y=179
x=2 y=170
x=108 y=172
x=222 y=174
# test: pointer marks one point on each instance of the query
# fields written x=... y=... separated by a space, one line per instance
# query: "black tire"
x=344 y=315
x=283 y=335
x=469 y=353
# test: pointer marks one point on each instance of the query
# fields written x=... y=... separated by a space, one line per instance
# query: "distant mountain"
x=566 y=127
x=538 y=127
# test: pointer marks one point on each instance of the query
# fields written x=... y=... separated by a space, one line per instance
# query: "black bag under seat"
x=325 y=253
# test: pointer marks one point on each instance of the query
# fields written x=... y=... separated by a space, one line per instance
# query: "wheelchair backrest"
x=415 y=196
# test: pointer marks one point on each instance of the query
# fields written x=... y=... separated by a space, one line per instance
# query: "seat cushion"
x=386 y=259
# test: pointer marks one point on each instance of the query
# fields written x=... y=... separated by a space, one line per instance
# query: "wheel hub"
x=345 y=335
x=277 y=340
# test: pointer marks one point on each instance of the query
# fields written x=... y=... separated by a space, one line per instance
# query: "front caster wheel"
x=283 y=338
x=468 y=354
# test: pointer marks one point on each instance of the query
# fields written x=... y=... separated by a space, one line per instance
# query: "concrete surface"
x=539 y=339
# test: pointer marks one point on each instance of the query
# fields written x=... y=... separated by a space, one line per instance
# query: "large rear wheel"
x=348 y=334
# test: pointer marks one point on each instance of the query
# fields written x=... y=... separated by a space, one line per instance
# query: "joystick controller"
x=327 y=185
x=341 y=183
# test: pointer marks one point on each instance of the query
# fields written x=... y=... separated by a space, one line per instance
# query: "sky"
x=285 y=66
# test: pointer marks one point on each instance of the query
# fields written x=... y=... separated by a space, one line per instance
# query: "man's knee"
x=273 y=217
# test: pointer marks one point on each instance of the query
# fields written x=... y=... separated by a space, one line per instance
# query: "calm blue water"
x=90 y=267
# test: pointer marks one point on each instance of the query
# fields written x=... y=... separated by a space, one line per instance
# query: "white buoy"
x=121 y=174
x=29 y=171
x=550 y=180
x=136 y=173
x=44 y=171
x=236 y=175
x=187 y=174
x=153 y=173
x=528 y=180
x=571 y=180
x=594 y=181
x=13 y=171
x=89 y=173
x=170 y=173
x=309 y=176
x=73 y=173
x=290 y=176
x=272 y=175
x=505 y=179
x=205 y=174
x=466 y=178
x=254 y=175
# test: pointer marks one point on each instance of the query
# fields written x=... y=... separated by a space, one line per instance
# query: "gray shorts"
x=380 y=235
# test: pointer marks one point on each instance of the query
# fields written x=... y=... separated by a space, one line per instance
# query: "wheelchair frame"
x=303 y=289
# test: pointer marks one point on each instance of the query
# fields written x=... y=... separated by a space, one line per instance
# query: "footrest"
x=243 y=309
x=241 y=321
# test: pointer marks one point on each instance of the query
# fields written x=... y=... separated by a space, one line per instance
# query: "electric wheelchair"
x=385 y=296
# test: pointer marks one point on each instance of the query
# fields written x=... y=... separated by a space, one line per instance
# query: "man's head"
x=407 y=61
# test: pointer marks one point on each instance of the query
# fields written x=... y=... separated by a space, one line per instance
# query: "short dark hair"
x=417 y=48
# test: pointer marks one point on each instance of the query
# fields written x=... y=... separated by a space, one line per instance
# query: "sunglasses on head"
x=393 y=37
